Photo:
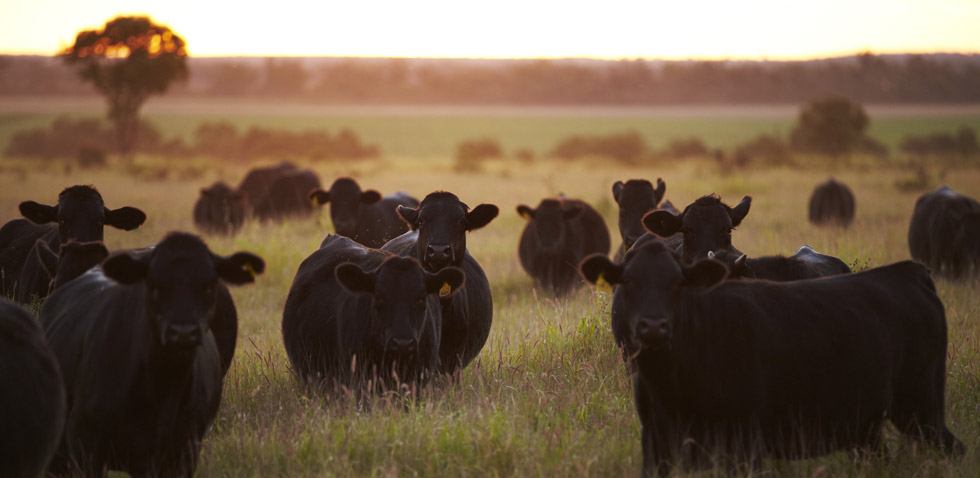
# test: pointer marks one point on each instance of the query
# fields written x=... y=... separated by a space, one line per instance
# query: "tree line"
x=865 y=78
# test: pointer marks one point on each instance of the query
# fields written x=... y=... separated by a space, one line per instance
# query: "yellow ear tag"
x=248 y=268
x=603 y=285
x=314 y=202
x=445 y=291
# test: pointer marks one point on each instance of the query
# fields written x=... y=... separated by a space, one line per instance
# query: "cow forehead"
x=637 y=194
x=182 y=260
x=702 y=215
x=651 y=261
x=400 y=280
x=344 y=187
x=82 y=207
x=442 y=208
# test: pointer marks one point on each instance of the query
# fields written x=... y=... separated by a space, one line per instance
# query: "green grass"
x=548 y=396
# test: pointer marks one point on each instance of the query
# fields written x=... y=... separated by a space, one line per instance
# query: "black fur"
x=832 y=203
x=364 y=216
x=944 y=233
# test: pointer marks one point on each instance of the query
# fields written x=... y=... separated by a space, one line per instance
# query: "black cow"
x=364 y=216
x=744 y=370
x=355 y=313
x=635 y=197
x=438 y=240
x=559 y=234
x=289 y=196
x=46 y=270
x=806 y=263
x=257 y=182
x=832 y=203
x=32 y=397
x=142 y=365
x=706 y=225
x=944 y=233
x=80 y=215
x=220 y=209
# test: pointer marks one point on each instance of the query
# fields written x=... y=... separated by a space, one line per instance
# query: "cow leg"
x=872 y=448
x=656 y=450
x=921 y=415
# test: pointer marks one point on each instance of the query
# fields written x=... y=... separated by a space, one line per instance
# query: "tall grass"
x=549 y=395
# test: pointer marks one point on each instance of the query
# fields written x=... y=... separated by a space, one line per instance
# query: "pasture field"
x=549 y=395
x=434 y=131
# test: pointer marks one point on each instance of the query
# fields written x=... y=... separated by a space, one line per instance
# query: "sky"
x=605 y=29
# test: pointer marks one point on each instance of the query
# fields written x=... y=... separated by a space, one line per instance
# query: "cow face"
x=443 y=221
x=635 y=198
x=73 y=260
x=648 y=284
x=706 y=225
x=180 y=277
x=345 y=198
x=81 y=215
x=550 y=221
x=400 y=293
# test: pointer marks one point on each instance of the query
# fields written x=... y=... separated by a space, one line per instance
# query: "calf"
x=288 y=196
x=944 y=233
x=46 y=270
x=80 y=215
x=635 y=198
x=705 y=226
x=364 y=216
x=358 y=316
x=257 y=182
x=438 y=240
x=559 y=234
x=738 y=371
x=220 y=209
x=142 y=367
x=832 y=203
x=32 y=397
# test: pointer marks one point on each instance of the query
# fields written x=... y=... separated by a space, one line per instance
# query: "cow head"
x=73 y=260
x=221 y=193
x=345 y=198
x=635 y=198
x=180 y=278
x=648 y=283
x=402 y=295
x=706 y=225
x=81 y=215
x=550 y=221
x=443 y=221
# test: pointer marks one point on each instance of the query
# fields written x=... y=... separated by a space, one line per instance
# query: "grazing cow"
x=257 y=182
x=364 y=216
x=142 y=368
x=32 y=397
x=806 y=263
x=559 y=234
x=944 y=233
x=832 y=203
x=220 y=209
x=289 y=196
x=357 y=315
x=738 y=371
x=79 y=215
x=438 y=240
x=635 y=198
x=46 y=270
x=705 y=226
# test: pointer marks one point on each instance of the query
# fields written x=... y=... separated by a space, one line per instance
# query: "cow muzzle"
x=401 y=346
x=438 y=256
x=182 y=336
x=652 y=332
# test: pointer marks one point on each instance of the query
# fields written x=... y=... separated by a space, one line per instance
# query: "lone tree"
x=128 y=60
x=832 y=126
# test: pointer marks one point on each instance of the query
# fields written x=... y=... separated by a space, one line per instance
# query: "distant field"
x=427 y=132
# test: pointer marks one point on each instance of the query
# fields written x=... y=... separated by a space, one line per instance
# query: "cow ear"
x=125 y=218
x=239 y=268
x=446 y=282
x=662 y=223
x=705 y=273
x=46 y=257
x=370 y=196
x=658 y=194
x=319 y=197
x=39 y=213
x=599 y=270
x=481 y=216
x=526 y=212
x=571 y=212
x=353 y=278
x=739 y=212
x=617 y=190
x=125 y=269
x=205 y=192
x=409 y=215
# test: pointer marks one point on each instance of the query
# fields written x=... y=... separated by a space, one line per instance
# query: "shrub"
x=832 y=126
x=91 y=157
x=626 y=147
x=471 y=153
x=685 y=148
x=961 y=143
x=765 y=149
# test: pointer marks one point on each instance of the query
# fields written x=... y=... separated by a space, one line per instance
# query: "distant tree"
x=128 y=60
x=832 y=126
x=237 y=78
x=285 y=77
